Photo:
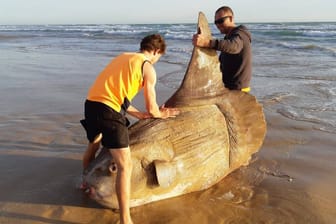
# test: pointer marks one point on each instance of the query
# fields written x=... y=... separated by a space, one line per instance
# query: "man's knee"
x=126 y=165
x=122 y=158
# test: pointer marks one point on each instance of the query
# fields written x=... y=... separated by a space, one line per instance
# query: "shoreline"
x=290 y=177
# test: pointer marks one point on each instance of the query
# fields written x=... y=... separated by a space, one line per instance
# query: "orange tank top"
x=119 y=82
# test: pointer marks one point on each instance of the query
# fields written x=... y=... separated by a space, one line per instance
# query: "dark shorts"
x=99 y=118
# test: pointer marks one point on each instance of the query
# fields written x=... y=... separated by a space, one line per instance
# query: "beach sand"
x=290 y=180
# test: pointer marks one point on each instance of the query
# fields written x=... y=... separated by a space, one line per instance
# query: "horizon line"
x=163 y=23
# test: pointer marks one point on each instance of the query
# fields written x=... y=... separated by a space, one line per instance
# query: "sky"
x=164 y=11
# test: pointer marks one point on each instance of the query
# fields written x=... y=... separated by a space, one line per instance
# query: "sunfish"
x=216 y=132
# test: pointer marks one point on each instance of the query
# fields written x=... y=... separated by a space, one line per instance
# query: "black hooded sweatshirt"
x=235 y=58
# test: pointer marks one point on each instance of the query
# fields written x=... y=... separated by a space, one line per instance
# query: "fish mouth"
x=96 y=195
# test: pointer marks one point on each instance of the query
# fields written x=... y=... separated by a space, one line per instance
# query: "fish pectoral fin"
x=165 y=172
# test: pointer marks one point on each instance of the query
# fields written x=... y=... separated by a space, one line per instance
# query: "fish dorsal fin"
x=203 y=77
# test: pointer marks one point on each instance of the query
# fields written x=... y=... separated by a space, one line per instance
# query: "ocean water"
x=48 y=68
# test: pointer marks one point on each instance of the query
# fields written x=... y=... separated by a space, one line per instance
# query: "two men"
x=110 y=96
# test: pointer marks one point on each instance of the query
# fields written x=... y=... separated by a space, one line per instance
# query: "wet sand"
x=290 y=180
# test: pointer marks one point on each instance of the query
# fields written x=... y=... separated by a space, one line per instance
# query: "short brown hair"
x=153 y=42
x=226 y=9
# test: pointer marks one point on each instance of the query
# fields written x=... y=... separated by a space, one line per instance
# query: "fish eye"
x=113 y=168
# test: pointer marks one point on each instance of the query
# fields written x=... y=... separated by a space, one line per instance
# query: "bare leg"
x=91 y=150
x=122 y=158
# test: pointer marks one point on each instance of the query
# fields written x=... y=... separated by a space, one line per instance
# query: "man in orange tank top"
x=108 y=100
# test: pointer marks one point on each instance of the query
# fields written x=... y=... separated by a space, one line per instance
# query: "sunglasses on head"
x=221 y=20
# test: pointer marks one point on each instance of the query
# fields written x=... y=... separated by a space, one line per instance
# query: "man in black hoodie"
x=236 y=53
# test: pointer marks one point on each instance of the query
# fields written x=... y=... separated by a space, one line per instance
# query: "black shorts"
x=100 y=118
